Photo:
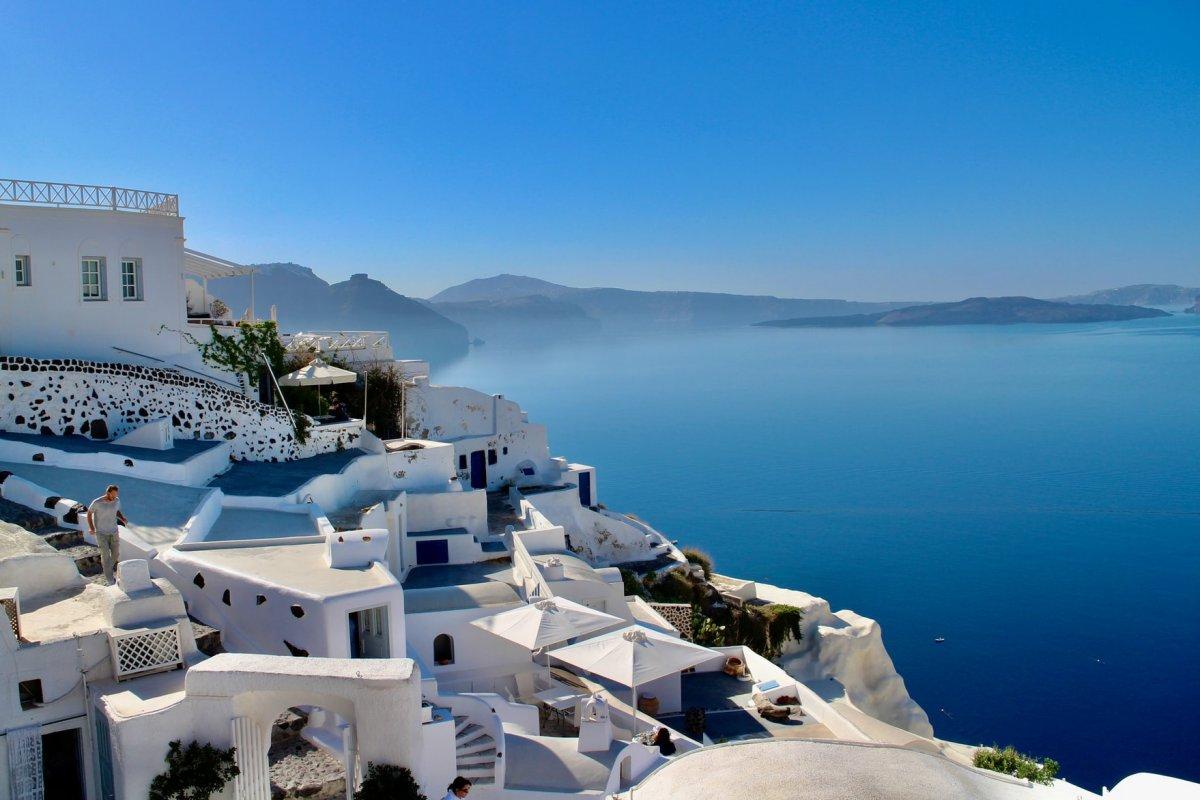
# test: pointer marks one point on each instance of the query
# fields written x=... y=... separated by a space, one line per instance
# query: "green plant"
x=1019 y=765
x=700 y=558
x=705 y=630
x=673 y=587
x=388 y=782
x=633 y=584
x=242 y=352
x=302 y=425
x=195 y=772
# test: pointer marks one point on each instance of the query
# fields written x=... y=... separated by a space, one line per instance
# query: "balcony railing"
x=79 y=195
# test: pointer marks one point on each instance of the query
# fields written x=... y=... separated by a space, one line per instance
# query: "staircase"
x=474 y=752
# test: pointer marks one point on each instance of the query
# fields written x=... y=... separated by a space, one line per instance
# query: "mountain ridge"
x=977 y=311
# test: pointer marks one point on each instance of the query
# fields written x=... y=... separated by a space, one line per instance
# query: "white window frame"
x=101 y=276
x=135 y=271
x=21 y=271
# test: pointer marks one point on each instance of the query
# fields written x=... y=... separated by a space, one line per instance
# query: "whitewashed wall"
x=66 y=396
x=472 y=420
x=50 y=318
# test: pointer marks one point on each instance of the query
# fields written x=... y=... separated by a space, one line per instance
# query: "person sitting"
x=662 y=740
x=337 y=409
x=459 y=788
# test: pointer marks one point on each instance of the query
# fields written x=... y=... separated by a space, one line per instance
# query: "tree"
x=388 y=782
x=196 y=772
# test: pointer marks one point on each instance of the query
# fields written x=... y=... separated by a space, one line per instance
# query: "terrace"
x=729 y=711
x=82 y=195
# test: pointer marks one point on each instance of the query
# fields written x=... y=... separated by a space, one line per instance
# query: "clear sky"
x=827 y=149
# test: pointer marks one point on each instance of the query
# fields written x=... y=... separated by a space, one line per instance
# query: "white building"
x=346 y=575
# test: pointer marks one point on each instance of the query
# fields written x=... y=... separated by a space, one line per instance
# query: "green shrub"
x=1019 y=765
x=700 y=558
x=196 y=772
x=705 y=630
x=633 y=584
x=388 y=782
x=673 y=587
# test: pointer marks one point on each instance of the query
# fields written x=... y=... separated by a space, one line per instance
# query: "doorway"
x=479 y=470
x=62 y=764
x=369 y=633
x=585 y=489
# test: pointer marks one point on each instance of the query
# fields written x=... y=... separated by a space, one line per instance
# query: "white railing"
x=81 y=195
x=144 y=650
x=376 y=345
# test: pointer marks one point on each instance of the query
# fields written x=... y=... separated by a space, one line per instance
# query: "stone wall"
x=103 y=400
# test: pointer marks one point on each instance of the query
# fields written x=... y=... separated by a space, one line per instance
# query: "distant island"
x=1157 y=295
x=976 y=311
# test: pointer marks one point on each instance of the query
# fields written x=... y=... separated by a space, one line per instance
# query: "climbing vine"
x=242 y=352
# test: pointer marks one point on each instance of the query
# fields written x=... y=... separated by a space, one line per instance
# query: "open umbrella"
x=546 y=622
x=634 y=655
x=318 y=374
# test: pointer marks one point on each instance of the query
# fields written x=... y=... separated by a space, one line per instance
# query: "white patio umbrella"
x=634 y=655
x=318 y=374
x=545 y=623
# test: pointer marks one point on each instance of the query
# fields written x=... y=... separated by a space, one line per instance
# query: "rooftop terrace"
x=182 y=450
x=83 y=195
x=729 y=711
x=278 y=478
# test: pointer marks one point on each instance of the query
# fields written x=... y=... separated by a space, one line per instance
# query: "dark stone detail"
x=51 y=501
x=19 y=419
x=99 y=429
x=230 y=436
x=198 y=580
x=85 y=427
x=298 y=652
x=297 y=611
x=39 y=456
x=46 y=431
x=259 y=599
x=225 y=598
x=72 y=516
x=129 y=462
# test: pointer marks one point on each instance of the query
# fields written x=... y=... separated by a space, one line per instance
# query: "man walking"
x=102 y=517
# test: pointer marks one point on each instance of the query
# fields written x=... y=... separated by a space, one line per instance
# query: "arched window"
x=443 y=650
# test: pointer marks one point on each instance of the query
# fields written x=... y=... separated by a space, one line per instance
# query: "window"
x=491 y=456
x=505 y=451
x=31 y=694
x=21 y=271
x=131 y=279
x=443 y=650
x=92 y=278
x=462 y=462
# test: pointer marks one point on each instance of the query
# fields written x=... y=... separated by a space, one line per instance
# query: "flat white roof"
x=297 y=566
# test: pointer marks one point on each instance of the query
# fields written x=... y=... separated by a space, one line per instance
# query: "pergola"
x=205 y=266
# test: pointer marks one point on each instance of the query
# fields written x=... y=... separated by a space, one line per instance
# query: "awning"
x=206 y=266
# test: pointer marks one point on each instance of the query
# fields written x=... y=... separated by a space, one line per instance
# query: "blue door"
x=585 y=488
x=479 y=470
x=434 y=551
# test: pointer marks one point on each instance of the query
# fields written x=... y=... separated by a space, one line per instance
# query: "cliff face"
x=847 y=647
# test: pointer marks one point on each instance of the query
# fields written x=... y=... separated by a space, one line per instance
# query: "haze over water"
x=1029 y=492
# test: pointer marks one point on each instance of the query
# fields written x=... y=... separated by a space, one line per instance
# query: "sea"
x=1030 y=493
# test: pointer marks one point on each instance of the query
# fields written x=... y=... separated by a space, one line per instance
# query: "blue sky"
x=816 y=150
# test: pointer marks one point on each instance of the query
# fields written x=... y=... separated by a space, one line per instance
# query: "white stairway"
x=474 y=751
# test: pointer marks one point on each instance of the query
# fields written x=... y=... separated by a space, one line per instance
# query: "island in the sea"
x=976 y=311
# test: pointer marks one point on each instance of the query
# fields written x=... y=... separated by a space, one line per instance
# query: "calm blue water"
x=1030 y=493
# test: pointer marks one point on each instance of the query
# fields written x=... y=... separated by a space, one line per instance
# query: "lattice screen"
x=14 y=616
x=25 y=763
x=143 y=651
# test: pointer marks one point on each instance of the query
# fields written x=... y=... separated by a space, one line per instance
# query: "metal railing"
x=80 y=195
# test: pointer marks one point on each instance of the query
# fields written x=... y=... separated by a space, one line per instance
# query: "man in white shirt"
x=103 y=516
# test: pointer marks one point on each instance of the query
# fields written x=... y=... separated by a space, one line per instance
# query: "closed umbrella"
x=634 y=655
x=546 y=622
